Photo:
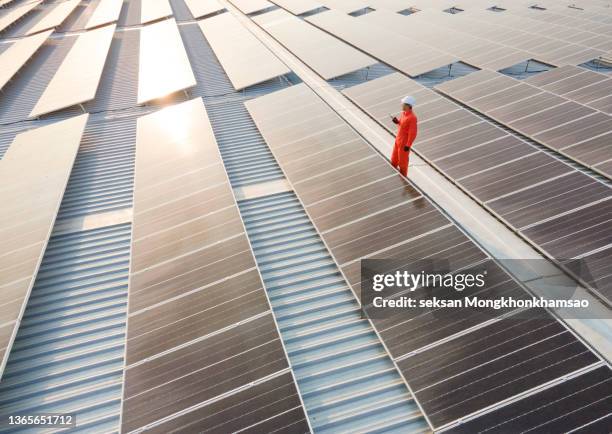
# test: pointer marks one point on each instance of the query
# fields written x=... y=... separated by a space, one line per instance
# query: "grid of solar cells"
x=106 y=11
x=201 y=8
x=587 y=87
x=74 y=82
x=572 y=129
x=245 y=59
x=154 y=10
x=286 y=411
x=13 y=14
x=312 y=45
x=163 y=67
x=19 y=96
x=35 y=170
x=558 y=409
x=497 y=27
x=56 y=16
x=363 y=209
x=251 y=6
x=298 y=7
x=18 y=53
x=475 y=51
x=385 y=45
x=573 y=30
x=77 y=20
x=196 y=300
x=528 y=189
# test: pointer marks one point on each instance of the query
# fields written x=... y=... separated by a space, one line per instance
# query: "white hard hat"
x=409 y=100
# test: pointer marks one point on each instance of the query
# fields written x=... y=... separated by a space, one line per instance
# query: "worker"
x=406 y=133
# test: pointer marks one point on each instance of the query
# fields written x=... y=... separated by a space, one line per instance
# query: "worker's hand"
x=406 y=148
x=395 y=120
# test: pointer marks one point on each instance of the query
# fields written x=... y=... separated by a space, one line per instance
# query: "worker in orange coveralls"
x=406 y=133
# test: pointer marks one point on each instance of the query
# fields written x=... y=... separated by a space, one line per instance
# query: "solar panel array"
x=580 y=132
x=197 y=307
x=30 y=204
x=164 y=67
x=527 y=188
x=107 y=11
x=298 y=7
x=203 y=347
x=54 y=17
x=363 y=209
x=199 y=8
x=15 y=13
x=313 y=46
x=154 y=10
x=19 y=52
x=74 y=82
x=378 y=42
x=251 y=6
x=245 y=59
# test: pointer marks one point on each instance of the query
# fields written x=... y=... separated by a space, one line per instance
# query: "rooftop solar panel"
x=553 y=121
x=57 y=16
x=580 y=403
x=345 y=6
x=201 y=8
x=19 y=52
x=76 y=82
x=298 y=7
x=107 y=11
x=153 y=10
x=355 y=209
x=512 y=178
x=164 y=67
x=34 y=173
x=496 y=362
x=9 y=16
x=244 y=57
x=404 y=54
x=200 y=333
x=485 y=53
x=251 y=6
x=581 y=85
x=313 y=46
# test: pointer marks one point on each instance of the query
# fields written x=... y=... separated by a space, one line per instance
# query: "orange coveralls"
x=406 y=133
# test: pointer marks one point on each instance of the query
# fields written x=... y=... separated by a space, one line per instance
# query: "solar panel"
x=577 y=84
x=153 y=10
x=55 y=17
x=200 y=328
x=14 y=57
x=34 y=173
x=345 y=6
x=564 y=407
x=164 y=67
x=201 y=8
x=251 y=6
x=76 y=82
x=107 y=11
x=552 y=121
x=244 y=57
x=298 y=7
x=494 y=363
x=313 y=46
x=512 y=178
x=12 y=14
x=487 y=54
x=363 y=209
x=402 y=53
